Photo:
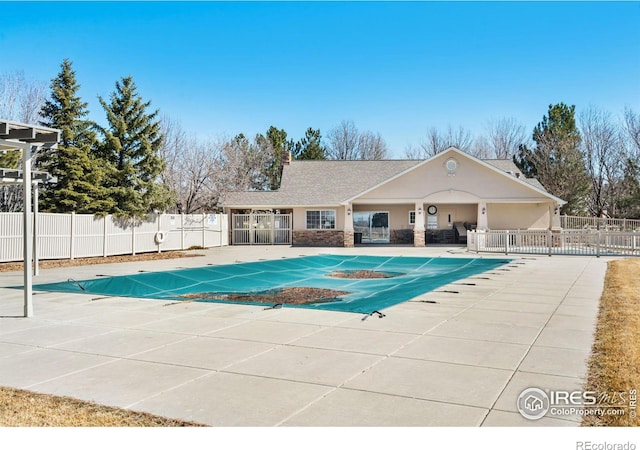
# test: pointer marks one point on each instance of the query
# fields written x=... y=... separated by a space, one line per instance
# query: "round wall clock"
x=432 y=210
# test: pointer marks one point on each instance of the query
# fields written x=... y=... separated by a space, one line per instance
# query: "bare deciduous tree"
x=481 y=148
x=174 y=146
x=343 y=141
x=459 y=138
x=21 y=99
x=436 y=142
x=190 y=167
x=631 y=133
x=372 y=146
x=505 y=137
x=241 y=165
x=433 y=144
x=412 y=152
x=628 y=200
x=602 y=151
x=346 y=142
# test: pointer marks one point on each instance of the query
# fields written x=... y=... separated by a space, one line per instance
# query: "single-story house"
x=437 y=200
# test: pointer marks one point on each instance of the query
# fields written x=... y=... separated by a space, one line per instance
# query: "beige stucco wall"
x=502 y=216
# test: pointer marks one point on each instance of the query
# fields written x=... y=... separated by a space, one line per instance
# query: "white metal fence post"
x=251 y=236
x=73 y=236
x=181 y=231
x=272 y=234
x=133 y=236
x=36 y=261
x=506 y=242
x=158 y=230
x=204 y=218
x=104 y=236
x=550 y=241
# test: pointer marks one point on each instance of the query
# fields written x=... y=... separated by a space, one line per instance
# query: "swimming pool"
x=408 y=278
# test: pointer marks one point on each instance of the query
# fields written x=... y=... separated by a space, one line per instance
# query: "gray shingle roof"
x=327 y=183
x=322 y=183
x=507 y=165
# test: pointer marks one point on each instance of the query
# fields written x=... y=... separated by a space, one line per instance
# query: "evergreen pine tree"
x=556 y=160
x=310 y=147
x=131 y=153
x=9 y=159
x=79 y=176
x=279 y=145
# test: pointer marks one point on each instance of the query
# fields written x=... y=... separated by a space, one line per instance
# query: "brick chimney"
x=286 y=157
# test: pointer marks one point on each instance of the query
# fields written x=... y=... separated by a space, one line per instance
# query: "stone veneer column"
x=348 y=238
x=418 y=228
x=348 y=225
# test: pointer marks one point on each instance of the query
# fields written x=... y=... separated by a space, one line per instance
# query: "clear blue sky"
x=393 y=68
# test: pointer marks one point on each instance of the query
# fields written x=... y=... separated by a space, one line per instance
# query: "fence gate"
x=261 y=229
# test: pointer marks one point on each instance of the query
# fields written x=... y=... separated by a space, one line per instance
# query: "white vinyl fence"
x=565 y=242
x=63 y=236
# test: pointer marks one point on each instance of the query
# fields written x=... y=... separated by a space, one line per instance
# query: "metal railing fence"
x=261 y=229
x=564 y=242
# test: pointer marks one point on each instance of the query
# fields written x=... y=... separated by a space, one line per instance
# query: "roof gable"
x=477 y=182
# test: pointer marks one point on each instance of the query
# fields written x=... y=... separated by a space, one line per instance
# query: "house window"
x=412 y=217
x=321 y=220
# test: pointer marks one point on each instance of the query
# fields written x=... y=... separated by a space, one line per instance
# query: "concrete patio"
x=461 y=361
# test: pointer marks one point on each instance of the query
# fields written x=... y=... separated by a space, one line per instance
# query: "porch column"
x=554 y=217
x=418 y=228
x=483 y=222
x=348 y=225
x=27 y=230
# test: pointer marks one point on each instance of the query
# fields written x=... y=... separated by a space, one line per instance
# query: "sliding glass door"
x=374 y=226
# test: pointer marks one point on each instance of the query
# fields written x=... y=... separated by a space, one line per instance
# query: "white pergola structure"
x=28 y=139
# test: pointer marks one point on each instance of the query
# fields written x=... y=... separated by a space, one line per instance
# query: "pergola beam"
x=14 y=176
x=24 y=132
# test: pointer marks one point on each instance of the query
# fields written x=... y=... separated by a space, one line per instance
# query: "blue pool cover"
x=412 y=276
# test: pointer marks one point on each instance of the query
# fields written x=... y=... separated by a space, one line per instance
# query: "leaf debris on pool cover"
x=416 y=276
x=289 y=296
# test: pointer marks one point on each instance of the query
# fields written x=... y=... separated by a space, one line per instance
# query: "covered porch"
x=425 y=222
